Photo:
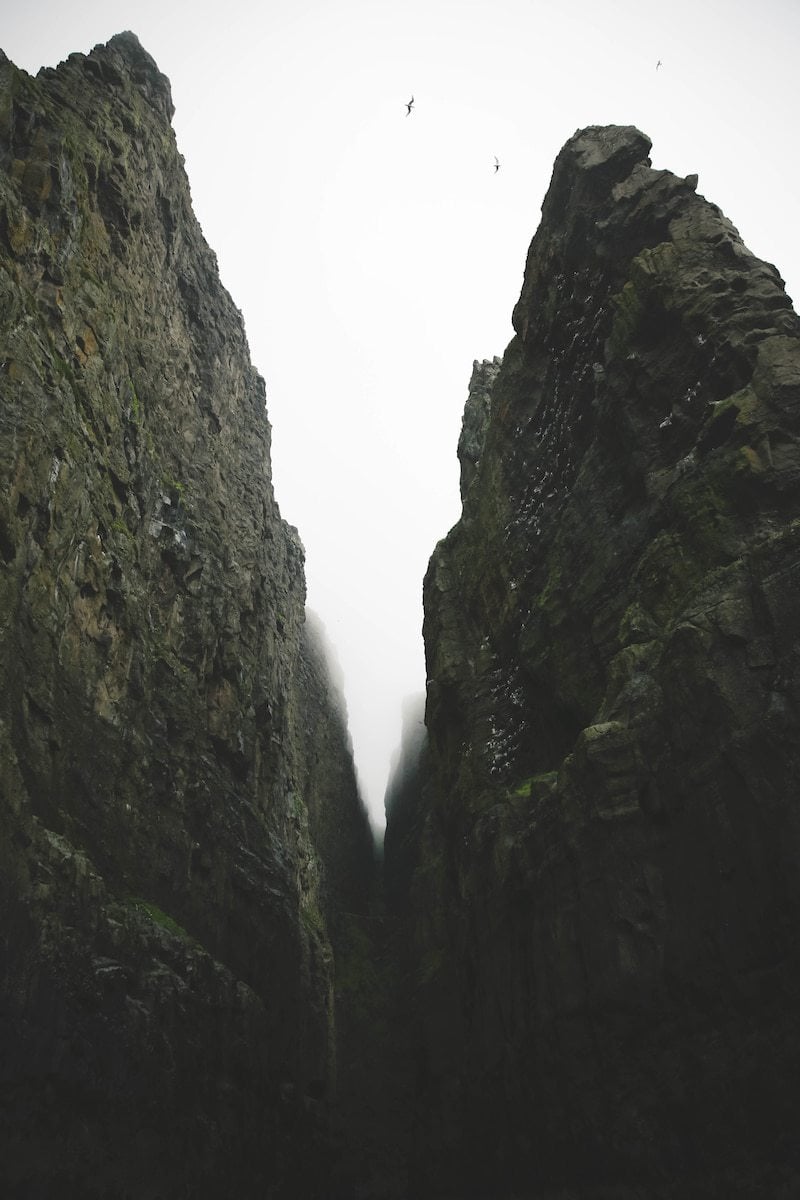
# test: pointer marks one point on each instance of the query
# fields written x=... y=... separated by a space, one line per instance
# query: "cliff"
x=179 y=820
x=585 y=983
x=604 y=902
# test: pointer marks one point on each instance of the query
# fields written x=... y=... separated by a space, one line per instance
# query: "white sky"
x=375 y=255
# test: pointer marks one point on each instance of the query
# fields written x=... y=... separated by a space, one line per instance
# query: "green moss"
x=545 y=779
x=63 y=369
x=136 y=410
x=176 y=489
x=633 y=305
x=702 y=510
x=636 y=625
x=119 y=526
x=159 y=917
x=550 y=595
x=312 y=920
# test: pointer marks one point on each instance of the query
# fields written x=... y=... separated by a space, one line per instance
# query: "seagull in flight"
x=496 y=164
x=409 y=106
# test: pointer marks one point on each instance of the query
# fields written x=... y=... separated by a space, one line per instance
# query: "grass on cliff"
x=159 y=917
x=547 y=780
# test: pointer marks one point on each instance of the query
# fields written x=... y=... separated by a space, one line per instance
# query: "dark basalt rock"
x=604 y=900
x=179 y=820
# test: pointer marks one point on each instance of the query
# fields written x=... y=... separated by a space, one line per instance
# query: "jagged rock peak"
x=613 y=149
x=605 y=201
x=125 y=56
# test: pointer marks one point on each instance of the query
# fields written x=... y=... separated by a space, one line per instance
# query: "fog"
x=375 y=253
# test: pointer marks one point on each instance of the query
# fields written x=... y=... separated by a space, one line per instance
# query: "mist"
x=375 y=253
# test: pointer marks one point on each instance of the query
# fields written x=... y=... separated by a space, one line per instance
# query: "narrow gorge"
x=573 y=972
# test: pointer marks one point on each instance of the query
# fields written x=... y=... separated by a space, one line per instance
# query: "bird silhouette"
x=496 y=164
x=658 y=64
x=409 y=106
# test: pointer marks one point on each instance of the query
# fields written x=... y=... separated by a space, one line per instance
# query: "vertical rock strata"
x=606 y=902
x=179 y=821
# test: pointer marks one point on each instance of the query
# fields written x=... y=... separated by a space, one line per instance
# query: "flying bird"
x=409 y=106
x=658 y=64
x=496 y=164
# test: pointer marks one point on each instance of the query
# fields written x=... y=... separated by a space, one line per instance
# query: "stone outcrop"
x=179 y=820
x=604 y=897
x=476 y=419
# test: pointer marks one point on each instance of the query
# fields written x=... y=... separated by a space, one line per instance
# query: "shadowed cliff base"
x=581 y=981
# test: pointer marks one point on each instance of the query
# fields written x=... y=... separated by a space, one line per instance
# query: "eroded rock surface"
x=605 y=897
x=179 y=820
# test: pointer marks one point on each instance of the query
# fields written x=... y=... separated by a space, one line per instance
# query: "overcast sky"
x=375 y=254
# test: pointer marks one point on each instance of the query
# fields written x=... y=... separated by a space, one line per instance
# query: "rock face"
x=476 y=419
x=179 y=821
x=604 y=897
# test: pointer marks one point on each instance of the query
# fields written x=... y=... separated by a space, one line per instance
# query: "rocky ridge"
x=603 y=902
x=180 y=823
